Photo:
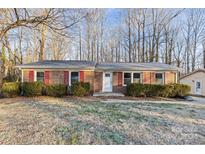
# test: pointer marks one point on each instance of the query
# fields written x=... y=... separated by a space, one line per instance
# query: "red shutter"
x=119 y=78
x=81 y=76
x=66 y=77
x=46 y=77
x=31 y=76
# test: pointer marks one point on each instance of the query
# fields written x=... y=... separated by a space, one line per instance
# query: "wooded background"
x=172 y=36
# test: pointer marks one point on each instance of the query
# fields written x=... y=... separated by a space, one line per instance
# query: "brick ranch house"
x=103 y=77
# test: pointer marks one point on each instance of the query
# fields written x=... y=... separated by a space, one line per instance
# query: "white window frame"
x=123 y=78
x=35 y=74
x=132 y=72
x=140 y=76
x=70 y=76
x=163 y=77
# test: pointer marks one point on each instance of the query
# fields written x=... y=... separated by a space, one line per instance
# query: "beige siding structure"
x=196 y=80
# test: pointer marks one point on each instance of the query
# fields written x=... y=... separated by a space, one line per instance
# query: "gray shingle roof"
x=70 y=64
x=135 y=66
x=77 y=64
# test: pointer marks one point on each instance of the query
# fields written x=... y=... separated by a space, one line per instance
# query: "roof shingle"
x=72 y=64
x=82 y=64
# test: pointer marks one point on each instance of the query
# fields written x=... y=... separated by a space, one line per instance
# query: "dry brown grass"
x=71 y=120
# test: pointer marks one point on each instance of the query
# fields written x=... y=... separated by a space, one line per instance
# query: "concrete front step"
x=108 y=94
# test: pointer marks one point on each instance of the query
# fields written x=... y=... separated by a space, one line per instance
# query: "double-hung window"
x=132 y=77
x=40 y=76
x=74 y=77
x=136 y=77
x=159 y=78
x=127 y=78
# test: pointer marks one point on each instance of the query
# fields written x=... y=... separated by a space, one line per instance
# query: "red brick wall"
x=56 y=77
x=117 y=82
x=170 y=77
x=66 y=77
x=89 y=77
x=146 y=78
x=25 y=75
x=98 y=81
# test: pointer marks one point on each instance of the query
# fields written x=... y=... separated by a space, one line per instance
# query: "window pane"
x=107 y=75
x=158 y=75
x=127 y=78
x=136 y=77
x=159 y=78
x=127 y=81
x=74 y=77
x=40 y=76
x=198 y=85
x=127 y=75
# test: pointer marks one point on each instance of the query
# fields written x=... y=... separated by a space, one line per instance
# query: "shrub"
x=171 y=90
x=80 y=88
x=32 y=88
x=147 y=90
x=135 y=89
x=56 y=90
x=183 y=91
x=86 y=86
x=152 y=90
x=10 y=78
x=168 y=91
x=11 y=89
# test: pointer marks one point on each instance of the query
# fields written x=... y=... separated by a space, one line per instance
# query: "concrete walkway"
x=198 y=100
x=107 y=94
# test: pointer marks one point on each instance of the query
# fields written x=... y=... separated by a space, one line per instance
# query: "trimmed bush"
x=56 y=90
x=86 y=86
x=80 y=89
x=153 y=90
x=135 y=90
x=148 y=90
x=11 y=89
x=32 y=88
x=180 y=90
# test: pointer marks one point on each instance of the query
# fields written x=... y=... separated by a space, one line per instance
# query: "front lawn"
x=47 y=120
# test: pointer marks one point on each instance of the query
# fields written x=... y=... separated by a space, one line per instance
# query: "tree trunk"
x=129 y=36
x=42 y=43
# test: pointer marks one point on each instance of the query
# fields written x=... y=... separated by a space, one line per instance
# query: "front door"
x=107 y=82
x=198 y=87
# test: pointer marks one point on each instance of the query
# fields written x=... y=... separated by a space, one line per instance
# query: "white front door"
x=198 y=87
x=107 y=82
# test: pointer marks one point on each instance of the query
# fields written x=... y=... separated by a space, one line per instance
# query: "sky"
x=113 y=16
